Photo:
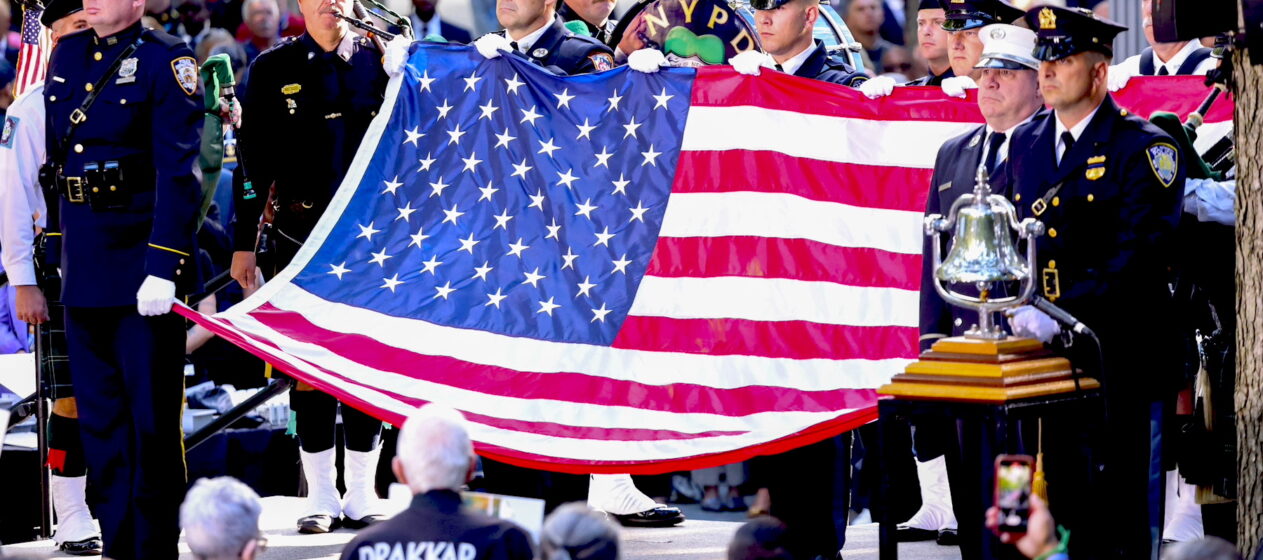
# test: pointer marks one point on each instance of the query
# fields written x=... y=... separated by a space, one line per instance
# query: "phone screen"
x=1013 y=493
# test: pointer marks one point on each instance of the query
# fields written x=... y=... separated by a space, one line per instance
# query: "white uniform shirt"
x=792 y=65
x=22 y=205
x=1132 y=63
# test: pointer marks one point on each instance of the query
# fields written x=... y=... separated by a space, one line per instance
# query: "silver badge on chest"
x=127 y=71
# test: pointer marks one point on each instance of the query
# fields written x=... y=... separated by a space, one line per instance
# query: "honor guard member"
x=123 y=124
x=1008 y=96
x=962 y=19
x=932 y=43
x=23 y=209
x=310 y=100
x=533 y=29
x=1108 y=186
x=786 y=33
x=1180 y=58
x=593 y=14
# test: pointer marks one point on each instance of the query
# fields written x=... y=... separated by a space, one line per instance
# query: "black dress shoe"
x=87 y=547
x=317 y=524
x=904 y=533
x=947 y=537
x=661 y=516
x=363 y=521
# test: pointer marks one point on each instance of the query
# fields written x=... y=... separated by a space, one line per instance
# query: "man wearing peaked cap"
x=932 y=43
x=1008 y=96
x=961 y=20
x=786 y=31
x=1106 y=184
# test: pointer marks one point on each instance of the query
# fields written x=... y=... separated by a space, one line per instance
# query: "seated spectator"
x=434 y=458
x=285 y=24
x=576 y=532
x=262 y=25
x=764 y=538
x=220 y=519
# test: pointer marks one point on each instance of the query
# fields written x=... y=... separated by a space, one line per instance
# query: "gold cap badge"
x=1047 y=19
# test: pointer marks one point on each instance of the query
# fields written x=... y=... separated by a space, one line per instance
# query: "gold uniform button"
x=1052 y=264
x=87 y=87
x=1123 y=112
x=122 y=101
x=1052 y=232
x=1017 y=197
x=181 y=261
x=96 y=56
x=78 y=148
x=1056 y=201
x=113 y=188
x=1091 y=198
x=52 y=98
x=96 y=189
x=177 y=272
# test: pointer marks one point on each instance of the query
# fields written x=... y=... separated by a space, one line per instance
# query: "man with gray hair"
x=220 y=518
x=434 y=458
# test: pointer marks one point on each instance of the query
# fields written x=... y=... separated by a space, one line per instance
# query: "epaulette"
x=160 y=37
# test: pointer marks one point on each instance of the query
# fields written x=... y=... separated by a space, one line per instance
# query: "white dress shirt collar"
x=793 y=64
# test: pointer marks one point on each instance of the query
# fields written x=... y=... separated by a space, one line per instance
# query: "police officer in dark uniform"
x=932 y=43
x=1008 y=96
x=310 y=101
x=533 y=29
x=785 y=32
x=123 y=126
x=1108 y=186
x=593 y=14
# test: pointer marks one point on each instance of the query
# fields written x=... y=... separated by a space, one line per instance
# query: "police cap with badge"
x=1007 y=46
x=767 y=4
x=1061 y=32
x=971 y=14
x=57 y=9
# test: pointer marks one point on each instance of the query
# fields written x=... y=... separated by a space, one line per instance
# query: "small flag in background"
x=33 y=56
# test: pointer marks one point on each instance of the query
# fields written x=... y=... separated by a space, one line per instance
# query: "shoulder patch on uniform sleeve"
x=857 y=81
x=1164 y=160
x=602 y=61
x=10 y=128
x=185 y=70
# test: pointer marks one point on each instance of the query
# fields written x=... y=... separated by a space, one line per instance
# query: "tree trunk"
x=1249 y=391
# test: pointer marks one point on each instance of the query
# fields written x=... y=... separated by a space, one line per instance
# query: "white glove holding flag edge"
x=751 y=62
x=1117 y=77
x=396 y=55
x=878 y=86
x=646 y=60
x=1029 y=322
x=490 y=45
x=155 y=296
x=955 y=86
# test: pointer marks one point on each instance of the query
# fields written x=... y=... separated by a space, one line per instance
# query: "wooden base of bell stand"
x=987 y=371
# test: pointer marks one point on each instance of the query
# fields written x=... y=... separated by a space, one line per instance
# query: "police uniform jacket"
x=148 y=119
x=305 y=112
x=1110 y=209
x=955 y=175
x=436 y=526
x=932 y=79
x=832 y=68
x=603 y=33
x=565 y=52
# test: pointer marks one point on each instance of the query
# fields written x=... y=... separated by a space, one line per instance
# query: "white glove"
x=155 y=296
x=751 y=62
x=955 y=86
x=396 y=55
x=490 y=45
x=646 y=60
x=1032 y=323
x=1118 y=77
x=878 y=86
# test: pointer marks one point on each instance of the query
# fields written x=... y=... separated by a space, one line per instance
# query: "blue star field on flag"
x=504 y=199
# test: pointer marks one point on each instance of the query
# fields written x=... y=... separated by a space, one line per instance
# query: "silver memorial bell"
x=983 y=254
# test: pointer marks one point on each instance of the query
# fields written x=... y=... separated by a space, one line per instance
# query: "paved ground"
x=703 y=537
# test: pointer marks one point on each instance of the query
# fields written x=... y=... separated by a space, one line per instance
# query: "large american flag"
x=617 y=272
x=33 y=56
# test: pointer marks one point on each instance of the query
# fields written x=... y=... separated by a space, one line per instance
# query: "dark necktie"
x=1163 y=71
x=514 y=45
x=993 y=151
x=779 y=68
x=1067 y=140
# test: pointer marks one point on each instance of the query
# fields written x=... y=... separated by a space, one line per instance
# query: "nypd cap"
x=57 y=9
x=1061 y=32
x=972 y=14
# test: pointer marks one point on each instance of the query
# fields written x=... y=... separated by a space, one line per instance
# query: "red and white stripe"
x=33 y=56
x=782 y=293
